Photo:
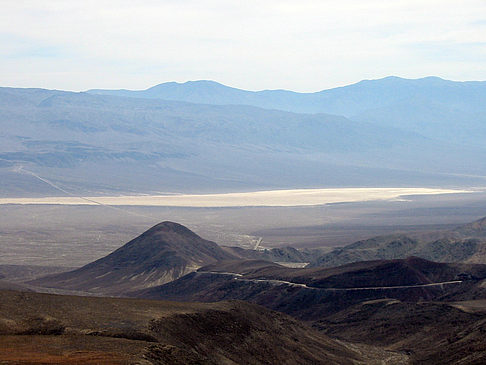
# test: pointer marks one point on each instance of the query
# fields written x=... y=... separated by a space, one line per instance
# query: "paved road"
x=283 y=282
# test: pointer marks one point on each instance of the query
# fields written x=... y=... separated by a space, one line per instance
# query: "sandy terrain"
x=273 y=198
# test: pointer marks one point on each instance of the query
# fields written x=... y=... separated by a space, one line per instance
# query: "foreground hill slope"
x=430 y=332
x=164 y=253
x=46 y=328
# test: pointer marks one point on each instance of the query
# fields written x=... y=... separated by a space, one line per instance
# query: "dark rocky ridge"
x=318 y=292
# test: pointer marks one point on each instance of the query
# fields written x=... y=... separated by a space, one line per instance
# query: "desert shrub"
x=42 y=326
x=128 y=333
x=7 y=326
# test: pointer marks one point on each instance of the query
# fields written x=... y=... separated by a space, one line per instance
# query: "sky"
x=304 y=45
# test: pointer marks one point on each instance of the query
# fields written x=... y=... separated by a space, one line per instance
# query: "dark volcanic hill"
x=164 y=253
x=42 y=328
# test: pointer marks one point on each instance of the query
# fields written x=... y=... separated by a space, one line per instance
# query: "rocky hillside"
x=465 y=243
x=474 y=229
x=432 y=333
x=42 y=328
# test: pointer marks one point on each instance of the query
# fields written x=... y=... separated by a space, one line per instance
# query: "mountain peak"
x=171 y=227
x=202 y=82
x=474 y=229
x=188 y=84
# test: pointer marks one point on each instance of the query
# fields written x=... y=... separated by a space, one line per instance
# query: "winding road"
x=240 y=277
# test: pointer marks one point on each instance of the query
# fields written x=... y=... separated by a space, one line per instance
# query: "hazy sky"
x=304 y=45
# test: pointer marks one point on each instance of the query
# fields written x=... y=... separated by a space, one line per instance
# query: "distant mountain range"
x=431 y=106
x=349 y=100
x=203 y=136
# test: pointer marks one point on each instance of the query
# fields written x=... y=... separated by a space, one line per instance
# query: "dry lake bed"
x=272 y=198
